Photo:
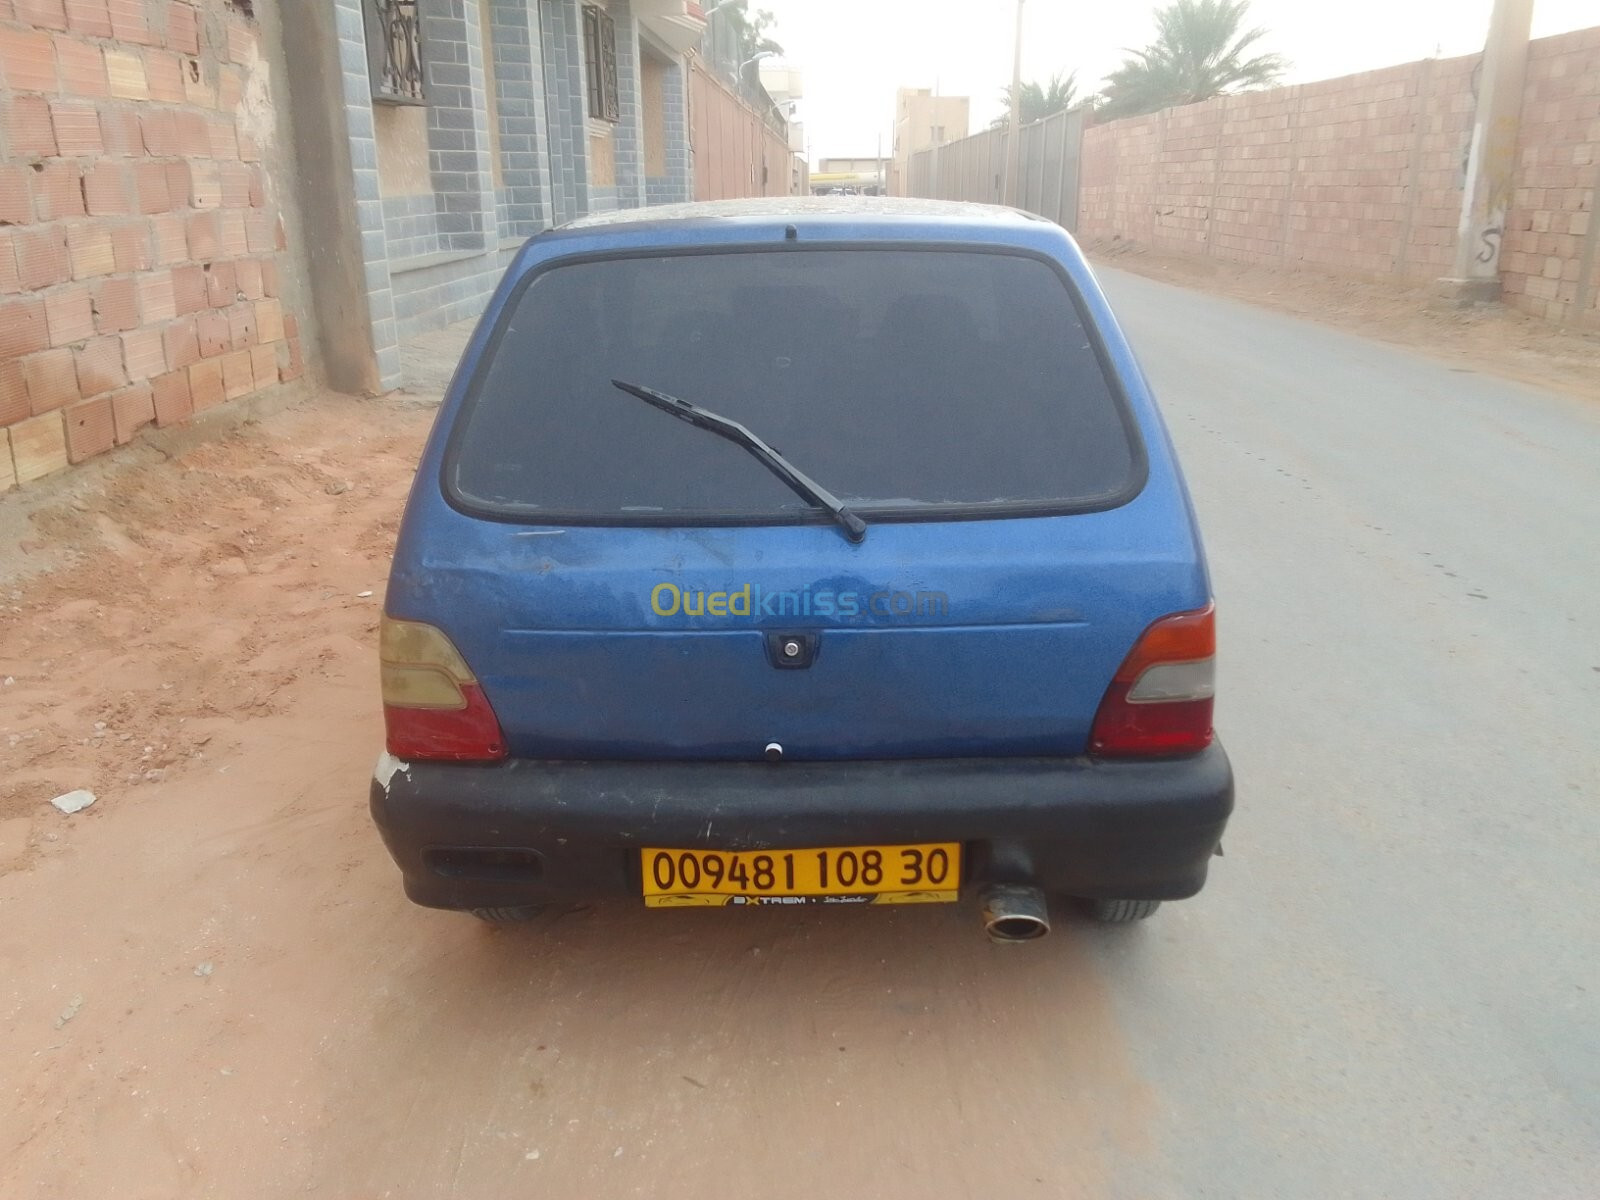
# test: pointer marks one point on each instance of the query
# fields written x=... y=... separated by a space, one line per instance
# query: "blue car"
x=800 y=552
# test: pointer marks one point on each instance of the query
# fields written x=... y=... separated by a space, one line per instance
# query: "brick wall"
x=1361 y=174
x=139 y=246
x=1558 y=176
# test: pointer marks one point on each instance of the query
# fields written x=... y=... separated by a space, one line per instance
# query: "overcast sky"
x=855 y=53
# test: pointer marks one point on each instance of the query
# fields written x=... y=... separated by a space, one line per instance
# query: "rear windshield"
x=906 y=382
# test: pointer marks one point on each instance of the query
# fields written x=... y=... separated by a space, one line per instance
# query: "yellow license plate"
x=928 y=873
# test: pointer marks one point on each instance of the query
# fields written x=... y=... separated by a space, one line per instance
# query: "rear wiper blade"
x=703 y=418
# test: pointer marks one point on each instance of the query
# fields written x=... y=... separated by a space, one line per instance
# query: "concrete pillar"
x=520 y=106
x=342 y=211
x=1492 y=155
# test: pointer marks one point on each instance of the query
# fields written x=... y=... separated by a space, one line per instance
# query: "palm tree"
x=1039 y=102
x=1198 y=54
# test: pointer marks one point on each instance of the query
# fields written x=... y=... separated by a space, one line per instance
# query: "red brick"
x=180 y=344
x=183 y=29
x=205 y=184
x=77 y=128
x=119 y=129
x=171 y=241
x=89 y=17
x=27 y=60
x=143 y=352
x=106 y=189
x=16 y=196
x=150 y=185
x=236 y=179
x=159 y=130
x=178 y=184
x=13 y=393
x=170 y=393
x=89 y=250
x=38 y=446
x=242 y=329
x=165 y=72
x=258 y=187
x=235 y=238
x=28 y=124
x=261 y=231
x=130 y=243
x=205 y=384
x=269 y=321
x=189 y=289
x=205 y=236
x=291 y=325
x=296 y=365
x=83 y=68
x=131 y=410
x=264 y=365
x=247 y=273
x=58 y=189
x=99 y=363
x=116 y=305
x=194 y=134
x=129 y=21
x=42 y=257
x=69 y=315
x=238 y=375
x=269 y=276
x=157 y=301
x=22 y=327
x=198 y=88
x=91 y=428
x=224 y=138
x=241 y=45
x=48 y=14
x=52 y=378
x=10 y=281
x=212 y=330
x=222 y=286
x=125 y=72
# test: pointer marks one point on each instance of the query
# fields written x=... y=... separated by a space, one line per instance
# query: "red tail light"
x=1159 y=701
x=433 y=706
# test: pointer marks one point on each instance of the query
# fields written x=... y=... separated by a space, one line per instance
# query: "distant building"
x=923 y=119
x=867 y=176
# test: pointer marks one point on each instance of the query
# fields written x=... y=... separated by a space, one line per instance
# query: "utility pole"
x=1492 y=155
x=1009 y=193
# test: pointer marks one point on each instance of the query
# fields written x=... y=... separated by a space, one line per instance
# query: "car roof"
x=810 y=210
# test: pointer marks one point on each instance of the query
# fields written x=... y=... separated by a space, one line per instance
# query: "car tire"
x=1122 y=912
x=510 y=915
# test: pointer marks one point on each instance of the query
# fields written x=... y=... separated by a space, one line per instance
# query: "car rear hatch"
x=628 y=586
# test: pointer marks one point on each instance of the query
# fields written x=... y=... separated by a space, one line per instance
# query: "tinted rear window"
x=905 y=381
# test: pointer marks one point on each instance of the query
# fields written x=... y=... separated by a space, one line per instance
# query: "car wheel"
x=1120 y=912
x=510 y=915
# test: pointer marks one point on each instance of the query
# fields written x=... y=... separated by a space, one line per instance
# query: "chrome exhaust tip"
x=1014 y=914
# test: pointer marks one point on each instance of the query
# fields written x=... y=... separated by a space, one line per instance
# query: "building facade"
x=923 y=119
x=453 y=130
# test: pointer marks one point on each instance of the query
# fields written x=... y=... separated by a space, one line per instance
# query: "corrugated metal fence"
x=974 y=168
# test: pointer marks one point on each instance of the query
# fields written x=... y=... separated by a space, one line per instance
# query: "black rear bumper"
x=525 y=831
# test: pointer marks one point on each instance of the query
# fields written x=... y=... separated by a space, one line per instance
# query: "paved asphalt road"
x=1391 y=986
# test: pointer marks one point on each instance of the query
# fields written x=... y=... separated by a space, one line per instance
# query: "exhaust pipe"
x=1013 y=913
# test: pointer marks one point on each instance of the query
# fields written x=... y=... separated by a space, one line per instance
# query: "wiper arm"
x=703 y=418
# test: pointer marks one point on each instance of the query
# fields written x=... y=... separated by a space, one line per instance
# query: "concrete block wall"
x=141 y=247
x=1363 y=175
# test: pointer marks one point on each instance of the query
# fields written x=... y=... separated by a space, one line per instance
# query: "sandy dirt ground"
x=210 y=984
x=1493 y=339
